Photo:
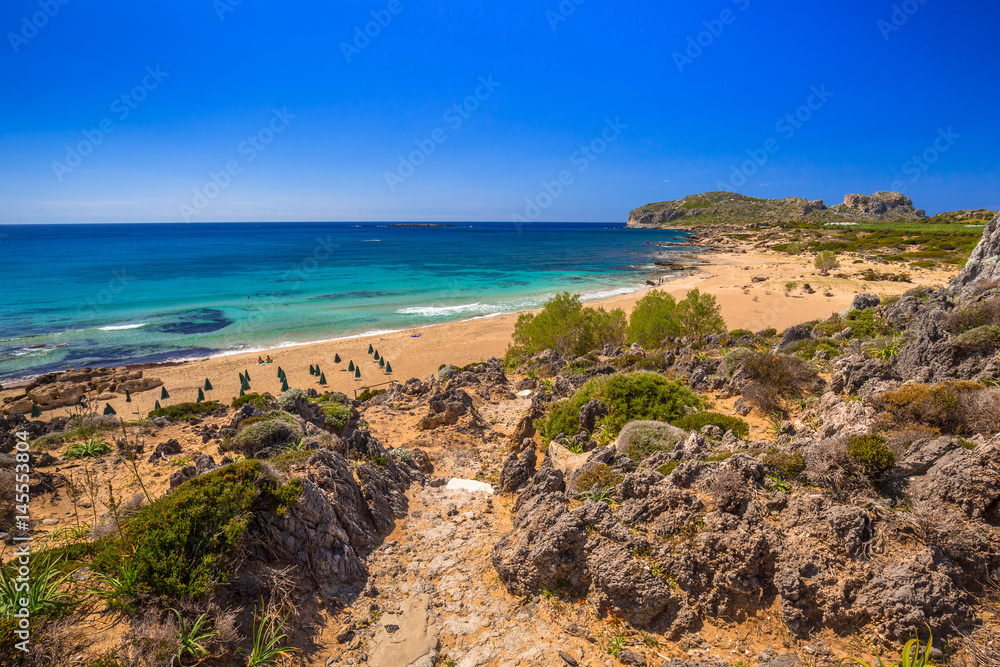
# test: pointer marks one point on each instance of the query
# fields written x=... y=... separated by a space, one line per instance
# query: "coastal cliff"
x=729 y=207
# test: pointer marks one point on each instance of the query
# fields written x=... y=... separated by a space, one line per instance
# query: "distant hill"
x=731 y=208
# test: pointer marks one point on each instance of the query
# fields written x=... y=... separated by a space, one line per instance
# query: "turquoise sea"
x=91 y=295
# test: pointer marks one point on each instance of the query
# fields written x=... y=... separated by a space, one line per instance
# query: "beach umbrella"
x=128 y=396
x=388 y=368
x=357 y=373
x=108 y=410
x=350 y=367
x=208 y=385
x=318 y=371
x=322 y=378
x=163 y=393
x=284 y=384
x=381 y=363
x=336 y=358
x=242 y=393
x=376 y=356
x=246 y=374
x=370 y=348
x=82 y=400
x=312 y=371
x=157 y=406
x=281 y=373
x=201 y=395
x=35 y=412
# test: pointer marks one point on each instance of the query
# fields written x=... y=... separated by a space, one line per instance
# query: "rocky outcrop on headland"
x=983 y=266
x=57 y=390
x=731 y=208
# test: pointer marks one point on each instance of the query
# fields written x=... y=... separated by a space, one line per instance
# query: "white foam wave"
x=122 y=327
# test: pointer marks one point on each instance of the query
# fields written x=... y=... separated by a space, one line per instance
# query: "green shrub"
x=971 y=317
x=50 y=441
x=184 y=544
x=336 y=416
x=653 y=319
x=826 y=261
x=787 y=464
x=264 y=434
x=698 y=420
x=600 y=477
x=781 y=373
x=640 y=439
x=807 y=349
x=872 y=452
x=668 y=468
x=565 y=326
x=368 y=394
x=980 y=339
x=733 y=360
x=185 y=411
x=286 y=460
x=700 y=315
x=658 y=316
x=259 y=401
x=629 y=397
x=954 y=407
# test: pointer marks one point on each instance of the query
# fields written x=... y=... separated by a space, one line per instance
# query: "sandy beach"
x=750 y=288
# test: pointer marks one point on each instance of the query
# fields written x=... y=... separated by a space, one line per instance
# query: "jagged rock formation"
x=882 y=204
x=982 y=266
x=56 y=390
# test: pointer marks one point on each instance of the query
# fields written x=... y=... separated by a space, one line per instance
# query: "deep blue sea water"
x=89 y=295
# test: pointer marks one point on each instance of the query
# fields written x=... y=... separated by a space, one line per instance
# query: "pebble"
x=568 y=659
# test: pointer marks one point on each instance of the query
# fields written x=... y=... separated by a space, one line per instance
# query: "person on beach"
x=268 y=360
x=260 y=361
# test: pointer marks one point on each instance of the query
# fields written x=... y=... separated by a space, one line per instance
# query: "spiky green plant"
x=48 y=593
x=910 y=657
x=191 y=642
x=87 y=449
x=267 y=640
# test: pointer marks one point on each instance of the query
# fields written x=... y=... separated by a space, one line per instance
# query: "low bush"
x=657 y=316
x=184 y=544
x=787 y=464
x=368 y=394
x=265 y=434
x=185 y=411
x=640 y=439
x=980 y=339
x=336 y=416
x=698 y=420
x=90 y=448
x=259 y=401
x=601 y=478
x=565 y=326
x=872 y=453
x=784 y=374
x=807 y=349
x=955 y=407
x=629 y=397
x=50 y=441
x=974 y=316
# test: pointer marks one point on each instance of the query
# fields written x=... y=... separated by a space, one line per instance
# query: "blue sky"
x=228 y=111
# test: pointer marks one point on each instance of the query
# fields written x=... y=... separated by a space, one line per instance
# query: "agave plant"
x=911 y=656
